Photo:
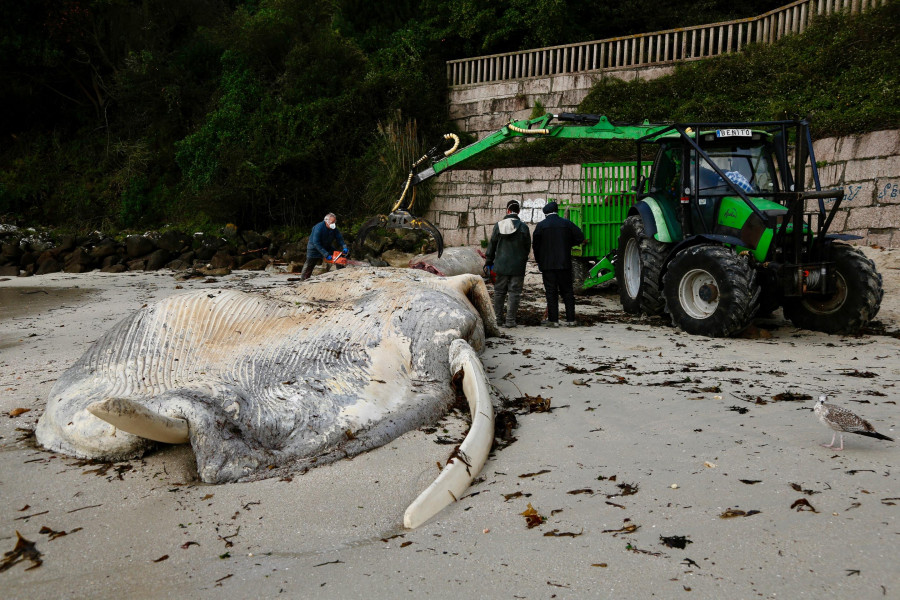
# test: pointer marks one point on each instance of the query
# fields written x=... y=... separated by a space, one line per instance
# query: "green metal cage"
x=606 y=196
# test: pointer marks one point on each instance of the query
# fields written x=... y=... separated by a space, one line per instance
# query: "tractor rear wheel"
x=855 y=301
x=710 y=290
x=580 y=272
x=639 y=261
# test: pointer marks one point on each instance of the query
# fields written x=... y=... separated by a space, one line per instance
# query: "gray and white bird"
x=843 y=421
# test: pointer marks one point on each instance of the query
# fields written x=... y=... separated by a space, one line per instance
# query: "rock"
x=10 y=252
x=77 y=268
x=78 y=261
x=117 y=268
x=230 y=231
x=376 y=243
x=138 y=245
x=293 y=252
x=254 y=240
x=221 y=260
x=396 y=258
x=178 y=265
x=377 y=262
x=106 y=247
x=27 y=258
x=44 y=257
x=257 y=264
x=158 y=259
x=207 y=245
x=66 y=243
x=214 y=272
x=175 y=242
x=81 y=255
x=137 y=265
x=109 y=261
x=9 y=271
x=408 y=242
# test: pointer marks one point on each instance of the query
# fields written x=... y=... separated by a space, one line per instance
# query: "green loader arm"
x=599 y=128
x=594 y=127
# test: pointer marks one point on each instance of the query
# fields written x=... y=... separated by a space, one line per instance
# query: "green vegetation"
x=269 y=113
x=842 y=73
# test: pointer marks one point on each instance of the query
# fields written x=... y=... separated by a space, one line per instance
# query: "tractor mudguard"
x=654 y=219
x=701 y=238
x=697 y=240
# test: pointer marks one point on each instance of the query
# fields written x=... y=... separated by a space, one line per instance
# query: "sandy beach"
x=653 y=435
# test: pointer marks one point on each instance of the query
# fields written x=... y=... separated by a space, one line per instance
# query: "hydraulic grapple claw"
x=400 y=219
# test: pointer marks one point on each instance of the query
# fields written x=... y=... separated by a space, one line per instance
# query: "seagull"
x=844 y=421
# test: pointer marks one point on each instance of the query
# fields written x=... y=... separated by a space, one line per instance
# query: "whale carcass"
x=453 y=261
x=293 y=376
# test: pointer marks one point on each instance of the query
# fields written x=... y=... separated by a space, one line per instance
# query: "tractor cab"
x=720 y=182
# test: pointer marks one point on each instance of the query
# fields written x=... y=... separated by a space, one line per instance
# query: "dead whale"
x=294 y=376
x=454 y=261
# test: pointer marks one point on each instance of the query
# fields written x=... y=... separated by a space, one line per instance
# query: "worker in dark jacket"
x=506 y=256
x=321 y=244
x=554 y=238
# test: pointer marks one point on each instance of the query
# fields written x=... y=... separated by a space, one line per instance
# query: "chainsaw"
x=338 y=257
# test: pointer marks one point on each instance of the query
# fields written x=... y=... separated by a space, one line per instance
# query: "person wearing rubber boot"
x=507 y=255
x=321 y=244
x=554 y=238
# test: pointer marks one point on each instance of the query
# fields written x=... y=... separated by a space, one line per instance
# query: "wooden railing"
x=649 y=49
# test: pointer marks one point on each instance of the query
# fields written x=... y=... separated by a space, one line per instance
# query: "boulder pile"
x=28 y=251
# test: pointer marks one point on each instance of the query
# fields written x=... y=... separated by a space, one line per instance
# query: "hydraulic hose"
x=528 y=131
x=424 y=157
x=455 y=138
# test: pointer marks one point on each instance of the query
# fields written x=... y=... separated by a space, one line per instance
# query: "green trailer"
x=607 y=195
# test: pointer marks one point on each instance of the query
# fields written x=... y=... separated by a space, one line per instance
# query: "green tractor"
x=721 y=230
x=724 y=230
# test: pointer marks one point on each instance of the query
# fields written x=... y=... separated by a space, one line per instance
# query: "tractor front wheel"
x=711 y=291
x=853 y=303
x=639 y=261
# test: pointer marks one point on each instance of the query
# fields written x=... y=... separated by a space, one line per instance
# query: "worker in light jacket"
x=553 y=240
x=506 y=256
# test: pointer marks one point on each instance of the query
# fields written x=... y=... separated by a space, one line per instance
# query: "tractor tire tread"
x=653 y=255
x=868 y=290
x=742 y=279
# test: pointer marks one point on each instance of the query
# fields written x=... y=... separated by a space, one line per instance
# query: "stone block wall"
x=484 y=108
x=468 y=202
x=867 y=167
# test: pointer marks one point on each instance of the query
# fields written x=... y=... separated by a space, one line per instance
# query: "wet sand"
x=652 y=436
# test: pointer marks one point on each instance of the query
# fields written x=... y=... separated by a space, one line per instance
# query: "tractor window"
x=666 y=169
x=749 y=168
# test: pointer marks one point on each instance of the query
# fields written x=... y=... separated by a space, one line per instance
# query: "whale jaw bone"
x=462 y=468
x=131 y=417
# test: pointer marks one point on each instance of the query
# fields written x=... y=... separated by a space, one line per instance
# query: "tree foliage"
x=137 y=113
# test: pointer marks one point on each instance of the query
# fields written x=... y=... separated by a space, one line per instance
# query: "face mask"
x=330 y=225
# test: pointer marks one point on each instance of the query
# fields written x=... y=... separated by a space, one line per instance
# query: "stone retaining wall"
x=468 y=202
x=867 y=167
x=484 y=108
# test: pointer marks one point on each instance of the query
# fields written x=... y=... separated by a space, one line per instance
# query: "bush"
x=842 y=73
